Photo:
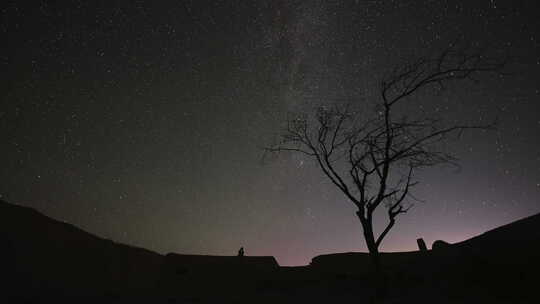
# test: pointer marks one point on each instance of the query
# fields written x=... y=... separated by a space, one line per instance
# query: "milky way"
x=143 y=121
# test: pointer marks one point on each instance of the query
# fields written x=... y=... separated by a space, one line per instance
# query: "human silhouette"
x=241 y=252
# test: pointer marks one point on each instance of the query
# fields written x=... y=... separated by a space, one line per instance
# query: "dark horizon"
x=143 y=122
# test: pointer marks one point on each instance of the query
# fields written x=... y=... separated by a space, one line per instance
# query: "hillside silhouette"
x=48 y=261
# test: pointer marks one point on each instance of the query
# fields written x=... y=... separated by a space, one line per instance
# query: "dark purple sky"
x=143 y=121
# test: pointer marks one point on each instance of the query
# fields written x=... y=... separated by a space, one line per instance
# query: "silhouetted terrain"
x=47 y=261
x=45 y=257
x=501 y=265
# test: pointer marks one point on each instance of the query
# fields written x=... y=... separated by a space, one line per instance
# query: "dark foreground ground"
x=46 y=261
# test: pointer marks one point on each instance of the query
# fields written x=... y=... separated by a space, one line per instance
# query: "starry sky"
x=144 y=121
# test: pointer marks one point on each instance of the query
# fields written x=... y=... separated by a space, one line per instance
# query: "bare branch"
x=373 y=161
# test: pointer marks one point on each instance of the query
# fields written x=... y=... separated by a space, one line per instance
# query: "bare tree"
x=373 y=161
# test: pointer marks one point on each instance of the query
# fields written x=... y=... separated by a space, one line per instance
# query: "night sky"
x=144 y=121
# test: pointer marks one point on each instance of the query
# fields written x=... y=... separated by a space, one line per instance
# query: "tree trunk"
x=379 y=275
x=369 y=237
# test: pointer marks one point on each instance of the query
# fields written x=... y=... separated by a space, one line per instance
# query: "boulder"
x=440 y=245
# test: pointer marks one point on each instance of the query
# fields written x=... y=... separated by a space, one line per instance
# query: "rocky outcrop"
x=440 y=245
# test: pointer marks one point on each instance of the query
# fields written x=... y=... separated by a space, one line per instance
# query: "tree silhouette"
x=373 y=160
